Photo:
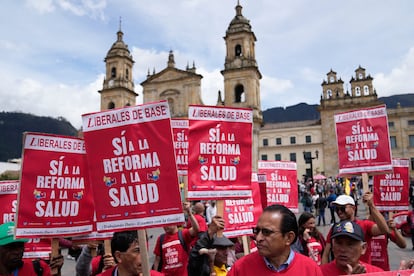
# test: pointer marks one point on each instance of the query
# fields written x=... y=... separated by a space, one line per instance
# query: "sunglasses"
x=341 y=208
x=265 y=232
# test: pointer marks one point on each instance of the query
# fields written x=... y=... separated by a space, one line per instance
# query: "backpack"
x=183 y=244
x=308 y=201
x=322 y=203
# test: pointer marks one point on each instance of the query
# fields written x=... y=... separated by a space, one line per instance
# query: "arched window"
x=366 y=90
x=238 y=50
x=127 y=74
x=329 y=94
x=113 y=72
x=111 y=105
x=239 y=95
x=357 y=91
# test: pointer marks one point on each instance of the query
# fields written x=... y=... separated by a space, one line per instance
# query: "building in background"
x=310 y=143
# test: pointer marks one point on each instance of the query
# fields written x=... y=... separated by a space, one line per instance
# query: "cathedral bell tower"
x=241 y=73
x=118 y=86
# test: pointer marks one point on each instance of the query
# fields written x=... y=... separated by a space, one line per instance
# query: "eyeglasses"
x=265 y=232
x=341 y=208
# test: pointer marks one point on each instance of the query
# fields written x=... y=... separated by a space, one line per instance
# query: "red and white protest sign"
x=8 y=199
x=390 y=273
x=220 y=160
x=363 y=141
x=132 y=167
x=54 y=195
x=37 y=248
x=34 y=248
x=281 y=183
x=391 y=190
x=241 y=215
x=180 y=136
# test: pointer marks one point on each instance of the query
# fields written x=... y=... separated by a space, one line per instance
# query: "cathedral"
x=314 y=139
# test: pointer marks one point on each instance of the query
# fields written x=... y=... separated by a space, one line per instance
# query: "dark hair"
x=121 y=241
x=304 y=217
x=288 y=222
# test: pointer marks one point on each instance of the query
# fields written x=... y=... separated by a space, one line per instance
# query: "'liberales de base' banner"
x=54 y=195
x=132 y=167
x=180 y=136
x=241 y=215
x=220 y=159
x=391 y=190
x=8 y=199
x=363 y=141
x=281 y=183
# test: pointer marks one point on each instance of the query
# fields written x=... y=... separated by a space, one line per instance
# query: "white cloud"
x=400 y=80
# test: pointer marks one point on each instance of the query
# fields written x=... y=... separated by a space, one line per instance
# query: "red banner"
x=281 y=183
x=37 y=248
x=180 y=136
x=220 y=160
x=241 y=215
x=54 y=196
x=391 y=273
x=363 y=141
x=8 y=199
x=391 y=190
x=132 y=167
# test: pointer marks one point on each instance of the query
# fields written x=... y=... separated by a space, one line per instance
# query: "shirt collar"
x=283 y=266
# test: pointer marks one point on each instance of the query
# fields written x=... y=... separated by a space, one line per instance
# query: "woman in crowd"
x=311 y=240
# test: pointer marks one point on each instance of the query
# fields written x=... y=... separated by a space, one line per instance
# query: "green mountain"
x=13 y=124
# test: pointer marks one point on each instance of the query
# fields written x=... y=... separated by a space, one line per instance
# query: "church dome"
x=239 y=23
x=119 y=48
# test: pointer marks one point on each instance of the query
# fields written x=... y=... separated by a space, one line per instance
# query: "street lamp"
x=307 y=155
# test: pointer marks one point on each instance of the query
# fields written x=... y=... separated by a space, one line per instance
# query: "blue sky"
x=52 y=51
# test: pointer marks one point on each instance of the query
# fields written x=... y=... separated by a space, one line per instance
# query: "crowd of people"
x=281 y=244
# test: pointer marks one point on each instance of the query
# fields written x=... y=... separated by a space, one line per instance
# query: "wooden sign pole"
x=142 y=239
x=55 y=253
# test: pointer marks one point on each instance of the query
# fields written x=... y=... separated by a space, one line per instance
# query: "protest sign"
x=220 y=159
x=132 y=167
x=54 y=194
x=241 y=215
x=281 y=183
x=37 y=248
x=8 y=199
x=363 y=141
x=180 y=137
x=391 y=190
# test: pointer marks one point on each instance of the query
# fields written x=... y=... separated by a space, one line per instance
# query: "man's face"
x=270 y=240
x=170 y=229
x=345 y=212
x=11 y=255
x=130 y=261
x=347 y=251
x=221 y=256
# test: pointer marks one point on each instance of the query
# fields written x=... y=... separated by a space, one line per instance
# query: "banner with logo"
x=180 y=137
x=220 y=159
x=391 y=190
x=241 y=215
x=8 y=199
x=363 y=141
x=281 y=183
x=132 y=167
x=54 y=195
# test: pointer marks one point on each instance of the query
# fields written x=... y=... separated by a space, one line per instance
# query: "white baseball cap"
x=344 y=200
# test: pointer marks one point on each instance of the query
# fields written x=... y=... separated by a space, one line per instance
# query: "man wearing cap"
x=345 y=208
x=348 y=245
x=210 y=252
x=275 y=231
x=11 y=255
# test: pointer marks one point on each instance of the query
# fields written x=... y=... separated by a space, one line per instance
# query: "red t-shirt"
x=314 y=250
x=366 y=226
x=110 y=272
x=174 y=257
x=254 y=264
x=331 y=269
x=202 y=224
x=379 y=251
x=28 y=270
